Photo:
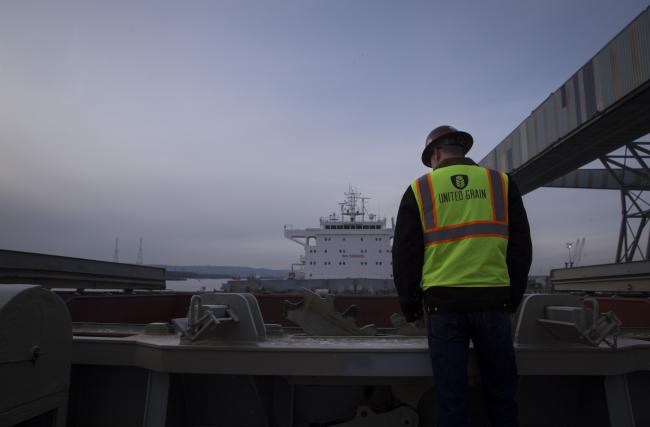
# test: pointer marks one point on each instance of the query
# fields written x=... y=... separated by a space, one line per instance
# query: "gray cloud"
x=205 y=128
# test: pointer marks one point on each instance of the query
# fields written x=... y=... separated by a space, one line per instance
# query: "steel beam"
x=603 y=179
x=52 y=271
x=631 y=171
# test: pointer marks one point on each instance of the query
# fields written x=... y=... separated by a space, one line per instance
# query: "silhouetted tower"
x=116 y=253
x=139 y=259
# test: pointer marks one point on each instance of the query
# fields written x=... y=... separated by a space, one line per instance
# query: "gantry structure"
x=599 y=114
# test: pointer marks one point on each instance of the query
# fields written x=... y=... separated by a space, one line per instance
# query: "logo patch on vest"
x=460 y=181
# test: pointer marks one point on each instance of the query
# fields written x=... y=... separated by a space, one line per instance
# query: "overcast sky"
x=206 y=126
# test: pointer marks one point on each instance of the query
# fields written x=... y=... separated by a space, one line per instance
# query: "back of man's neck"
x=455 y=161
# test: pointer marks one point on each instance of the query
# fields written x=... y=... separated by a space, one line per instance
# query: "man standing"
x=462 y=250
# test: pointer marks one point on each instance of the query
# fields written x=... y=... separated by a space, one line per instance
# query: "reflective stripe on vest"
x=427 y=201
x=498 y=227
x=499 y=202
x=464 y=214
x=464 y=231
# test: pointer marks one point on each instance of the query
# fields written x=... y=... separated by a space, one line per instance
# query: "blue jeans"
x=490 y=331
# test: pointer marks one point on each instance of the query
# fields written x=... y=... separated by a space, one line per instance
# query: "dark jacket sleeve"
x=408 y=257
x=519 y=255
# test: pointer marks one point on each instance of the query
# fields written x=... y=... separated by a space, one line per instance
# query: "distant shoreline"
x=184 y=275
x=183 y=272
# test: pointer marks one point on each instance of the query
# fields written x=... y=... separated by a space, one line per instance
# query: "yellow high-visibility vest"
x=464 y=214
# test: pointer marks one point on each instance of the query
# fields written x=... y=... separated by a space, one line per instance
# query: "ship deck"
x=376 y=356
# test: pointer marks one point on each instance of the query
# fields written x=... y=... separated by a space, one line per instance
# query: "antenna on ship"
x=363 y=208
x=116 y=252
x=139 y=259
x=350 y=207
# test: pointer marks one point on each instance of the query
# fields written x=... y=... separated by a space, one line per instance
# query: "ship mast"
x=350 y=207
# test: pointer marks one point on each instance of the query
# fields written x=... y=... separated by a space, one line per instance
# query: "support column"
x=619 y=404
x=628 y=169
x=155 y=405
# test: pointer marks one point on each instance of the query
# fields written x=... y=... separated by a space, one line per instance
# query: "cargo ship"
x=348 y=253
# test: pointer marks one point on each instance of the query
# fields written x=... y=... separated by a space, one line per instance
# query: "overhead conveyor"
x=602 y=107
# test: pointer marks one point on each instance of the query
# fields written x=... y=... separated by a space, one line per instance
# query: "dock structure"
x=223 y=364
x=621 y=278
x=53 y=271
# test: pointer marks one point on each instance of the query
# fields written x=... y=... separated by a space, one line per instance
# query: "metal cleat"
x=564 y=319
x=317 y=316
x=221 y=317
x=602 y=326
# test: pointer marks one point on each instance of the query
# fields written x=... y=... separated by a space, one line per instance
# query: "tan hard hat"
x=448 y=135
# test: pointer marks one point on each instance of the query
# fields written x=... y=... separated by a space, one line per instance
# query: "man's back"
x=462 y=249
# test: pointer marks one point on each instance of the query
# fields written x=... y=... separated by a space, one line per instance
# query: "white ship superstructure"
x=351 y=244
